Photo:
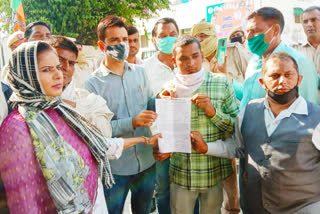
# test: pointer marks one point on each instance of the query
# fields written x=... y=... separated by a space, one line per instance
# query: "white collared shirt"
x=312 y=53
x=228 y=147
x=158 y=73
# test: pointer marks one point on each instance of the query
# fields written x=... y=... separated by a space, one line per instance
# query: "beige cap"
x=19 y=35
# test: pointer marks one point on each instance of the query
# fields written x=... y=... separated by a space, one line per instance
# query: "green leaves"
x=79 y=19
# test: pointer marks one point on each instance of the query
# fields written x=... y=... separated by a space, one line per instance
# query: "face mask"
x=209 y=45
x=165 y=44
x=286 y=97
x=119 y=51
x=257 y=44
x=236 y=39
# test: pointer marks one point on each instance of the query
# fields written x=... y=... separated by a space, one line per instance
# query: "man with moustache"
x=264 y=29
x=279 y=162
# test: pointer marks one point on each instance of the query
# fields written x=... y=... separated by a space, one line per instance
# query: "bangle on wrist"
x=146 y=140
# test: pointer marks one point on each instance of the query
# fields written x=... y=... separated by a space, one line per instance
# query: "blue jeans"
x=141 y=186
x=163 y=188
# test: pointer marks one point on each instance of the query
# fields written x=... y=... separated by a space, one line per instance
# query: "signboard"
x=229 y=14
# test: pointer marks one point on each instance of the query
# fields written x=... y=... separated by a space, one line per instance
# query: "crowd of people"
x=66 y=148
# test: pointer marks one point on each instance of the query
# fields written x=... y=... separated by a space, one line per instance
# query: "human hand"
x=70 y=103
x=167 y=94
x=157 y=155
x=153 y=140
x=144 y=119
x=198 y=143
x=216 y=68
x=203 y=101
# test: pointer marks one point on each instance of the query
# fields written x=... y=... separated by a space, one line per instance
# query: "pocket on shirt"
x=141 y=96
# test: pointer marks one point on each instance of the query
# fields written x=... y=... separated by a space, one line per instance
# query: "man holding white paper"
x=213 y=111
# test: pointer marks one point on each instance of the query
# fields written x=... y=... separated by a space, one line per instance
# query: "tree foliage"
x=79 y=18
x=5 y=16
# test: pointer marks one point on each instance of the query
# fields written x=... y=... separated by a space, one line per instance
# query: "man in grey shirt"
x=127 y=92
x=279 y=162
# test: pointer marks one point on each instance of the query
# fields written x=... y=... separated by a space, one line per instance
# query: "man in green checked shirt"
x=213 y=111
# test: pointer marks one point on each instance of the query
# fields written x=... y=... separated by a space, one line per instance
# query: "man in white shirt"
x=159 y=68
x=279 y=163
x=311 y=27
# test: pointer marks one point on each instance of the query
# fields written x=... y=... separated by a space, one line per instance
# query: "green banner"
x=15 y=4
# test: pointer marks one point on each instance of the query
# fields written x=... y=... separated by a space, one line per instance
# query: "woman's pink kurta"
x=26 y=188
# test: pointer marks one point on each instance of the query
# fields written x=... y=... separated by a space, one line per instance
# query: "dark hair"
x=269 y=13
x=32 y=24
x=110 y=21
x=64 y=43
x=132 y=30
x=43 y=46
x=77 y=42
x=282 y=56
x=312 y=8
x=183 y=41
x=163 y=21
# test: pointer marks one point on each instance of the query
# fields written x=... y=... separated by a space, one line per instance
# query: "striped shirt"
x=196 y=171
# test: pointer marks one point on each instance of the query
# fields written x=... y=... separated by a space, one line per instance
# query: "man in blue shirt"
x=128 y=94
x=264 y=30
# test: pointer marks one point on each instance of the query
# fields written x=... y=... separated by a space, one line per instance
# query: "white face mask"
x=186 y=84
x=119 y=51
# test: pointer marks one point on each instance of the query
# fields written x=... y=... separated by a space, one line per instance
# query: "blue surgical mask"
x=257 y=45
x=119 y=51
x=165 y=44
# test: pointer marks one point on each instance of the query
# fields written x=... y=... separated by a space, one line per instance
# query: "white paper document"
x=173 y=122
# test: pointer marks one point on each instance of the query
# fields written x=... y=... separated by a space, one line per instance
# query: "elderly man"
x=127 y=91
x=213 y=110
x=37 y=31
x=237 y=35
x=15 y=40
x=134 y=45
x=311 y=27
x=238 y=57
x=264 y=30
x=279 y=163
x=90 y=105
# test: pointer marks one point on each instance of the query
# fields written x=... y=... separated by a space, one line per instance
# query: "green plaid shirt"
x=196 y=171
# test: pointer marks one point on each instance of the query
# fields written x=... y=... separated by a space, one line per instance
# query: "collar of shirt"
x=105 y=71
x=307 y=44
x=299 y=106
x=156 y=59
x=280 y=47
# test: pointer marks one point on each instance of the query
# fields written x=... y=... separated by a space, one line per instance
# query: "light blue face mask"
x=165 y=44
